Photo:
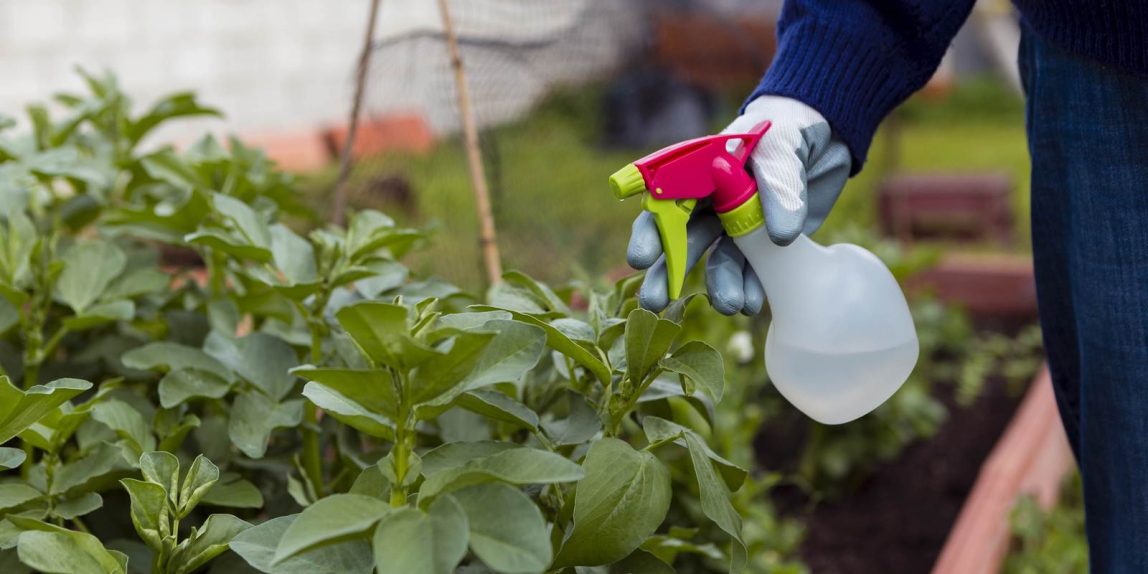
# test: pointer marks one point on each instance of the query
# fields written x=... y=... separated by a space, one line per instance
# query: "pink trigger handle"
x=702 y=167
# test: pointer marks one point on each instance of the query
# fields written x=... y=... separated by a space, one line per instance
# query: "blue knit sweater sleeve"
x=856 y=60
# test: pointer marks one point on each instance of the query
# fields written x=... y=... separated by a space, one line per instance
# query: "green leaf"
x=206 y=542
x=257 y=546
x=66 y=552
x=79 y=505
x=380 y=330
x=266 y=361
x=82 y=474
x=716 y=503
x=507 y=531
x=249 y=224
x=293 y=256
x=371 y=482
x=9 y=315
x=177 y=105
x=658 y=429
x=254 y=417
x=576 y=330
x=702 y=364
x=455 y=323
x=448 y=370
x=514 y=466
x=232 y=491
x=622 y=500
x=647 y=340
x=162 y=468
x=385 y=276
x=543 y=295
x=166 y=166
x=515 y=349
x=641 y=562
x=127 y=423
x=176 y=387
x=503 y=295
x=233 y=246
x=89 y=268
x=150 y=513
x=348 y=411
x=411 y=541
x=367 y=229
x=100 y=314
x=11 y=458
x=454 y=454
x=579 y=426
x=17 y=493
x=201 y=476
x=173 y=357
x=497 y=406
x=334 y=519
x=175 y=431
x=558 y=341
x=137 y=282
x=20 y=408
x=373 y=389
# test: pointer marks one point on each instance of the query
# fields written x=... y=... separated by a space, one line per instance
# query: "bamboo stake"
x=340 y=211
x=487 y=237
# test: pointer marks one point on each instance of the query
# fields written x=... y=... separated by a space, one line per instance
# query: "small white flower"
x=740 y=345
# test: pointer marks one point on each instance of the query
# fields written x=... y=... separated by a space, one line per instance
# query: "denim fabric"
x=1088 y=138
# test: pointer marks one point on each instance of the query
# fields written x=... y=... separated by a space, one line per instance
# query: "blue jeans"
x=1088 y=138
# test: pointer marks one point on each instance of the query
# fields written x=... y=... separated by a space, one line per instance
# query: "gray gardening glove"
x=800 y=168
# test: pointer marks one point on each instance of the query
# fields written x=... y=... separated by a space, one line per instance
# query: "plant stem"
x=312 y=454
x=312 y=449
x=404 y=440
x=400 y=463
x=215 y=266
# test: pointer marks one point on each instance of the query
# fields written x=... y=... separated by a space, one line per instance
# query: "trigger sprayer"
x=842 y=340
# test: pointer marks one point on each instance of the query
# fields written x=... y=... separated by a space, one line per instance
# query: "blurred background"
x=360 y=100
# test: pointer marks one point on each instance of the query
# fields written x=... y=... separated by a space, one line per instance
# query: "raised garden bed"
x=898 y=519
x=994 y=286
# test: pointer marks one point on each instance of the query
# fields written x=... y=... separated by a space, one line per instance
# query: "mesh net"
x=538 y=74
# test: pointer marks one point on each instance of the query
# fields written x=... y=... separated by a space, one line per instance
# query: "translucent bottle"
x=842 y=339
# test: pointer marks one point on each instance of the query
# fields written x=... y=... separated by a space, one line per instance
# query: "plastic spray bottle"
x=842 y=339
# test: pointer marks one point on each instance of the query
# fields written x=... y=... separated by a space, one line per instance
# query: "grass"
x=557 y=220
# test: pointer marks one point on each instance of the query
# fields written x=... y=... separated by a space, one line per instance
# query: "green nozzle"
x=627 y=182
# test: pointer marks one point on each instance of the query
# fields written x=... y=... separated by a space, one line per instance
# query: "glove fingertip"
x=653 y=296
x=783 y=235
x=754 y=294
x=726 y=296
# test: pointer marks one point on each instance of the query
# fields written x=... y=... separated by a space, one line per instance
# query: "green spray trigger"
x=671 y=217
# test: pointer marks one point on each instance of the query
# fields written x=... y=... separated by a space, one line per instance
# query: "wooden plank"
x=1032 y=457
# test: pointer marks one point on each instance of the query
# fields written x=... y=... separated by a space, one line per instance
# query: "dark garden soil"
x=897 y=519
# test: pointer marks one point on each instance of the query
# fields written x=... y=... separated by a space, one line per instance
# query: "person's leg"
x=1088 y=137
x=1051 y=214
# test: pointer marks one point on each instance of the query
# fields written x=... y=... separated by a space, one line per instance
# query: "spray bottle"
x=842 y=339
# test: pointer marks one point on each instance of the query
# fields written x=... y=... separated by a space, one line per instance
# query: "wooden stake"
x=340 y=210
x=493 y=262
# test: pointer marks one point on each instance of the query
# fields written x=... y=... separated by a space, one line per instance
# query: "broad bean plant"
x=300 y=402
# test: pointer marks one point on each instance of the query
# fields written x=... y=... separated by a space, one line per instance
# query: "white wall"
x=287 y=66
x=271 y=65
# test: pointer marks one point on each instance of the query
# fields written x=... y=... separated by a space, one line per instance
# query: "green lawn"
x=557 y=220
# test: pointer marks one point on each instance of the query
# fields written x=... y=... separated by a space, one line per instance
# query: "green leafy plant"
x=349 y=416
x=1048 y=541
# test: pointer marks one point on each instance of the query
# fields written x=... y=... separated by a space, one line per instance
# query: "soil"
x=897 y=519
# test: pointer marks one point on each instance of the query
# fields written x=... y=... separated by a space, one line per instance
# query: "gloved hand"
x=800 y=168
